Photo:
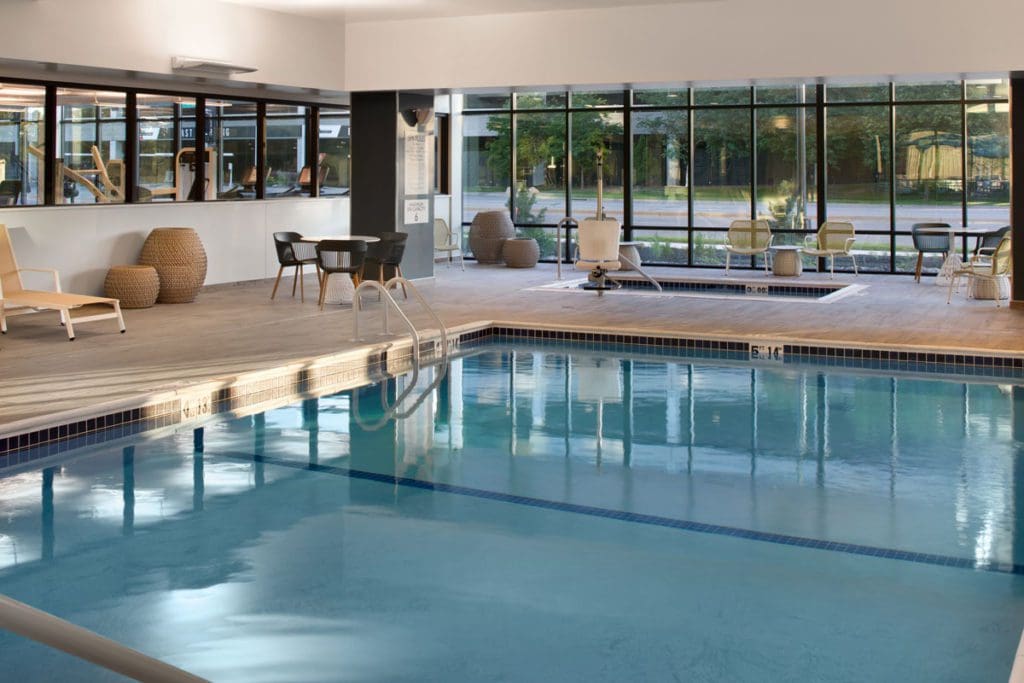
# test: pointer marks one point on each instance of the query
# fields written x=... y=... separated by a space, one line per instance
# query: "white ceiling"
x=376 y=10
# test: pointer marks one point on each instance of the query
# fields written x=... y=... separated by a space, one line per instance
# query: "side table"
x=786 y=261
x=629 y=250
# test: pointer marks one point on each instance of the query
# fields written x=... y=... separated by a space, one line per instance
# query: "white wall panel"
x=695 y=41
x=83 y=241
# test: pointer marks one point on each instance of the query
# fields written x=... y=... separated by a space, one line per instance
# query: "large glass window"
x=486 y=163
x=289 y=172
x=157 y=176
x=22 y=157
x=894 y=155
x=858 y=179
x=988 y=164
x=231 y=149
x=786 y=171
x=335 y=149
x=721 y=166
x=597 y=141
x=929 y=171
x=540 y=167
x=90 y=141
x=661 y=168
x=858 y=166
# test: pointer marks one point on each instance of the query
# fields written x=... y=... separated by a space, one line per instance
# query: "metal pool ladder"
x=391 y=304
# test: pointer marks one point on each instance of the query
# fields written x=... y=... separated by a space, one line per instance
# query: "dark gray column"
x=1017 y=185
x=389 y=129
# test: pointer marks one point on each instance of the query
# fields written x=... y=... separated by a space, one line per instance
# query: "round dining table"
x=340 y=290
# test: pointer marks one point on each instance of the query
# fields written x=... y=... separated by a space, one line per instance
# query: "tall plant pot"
x=488 y=233
x=180 y=261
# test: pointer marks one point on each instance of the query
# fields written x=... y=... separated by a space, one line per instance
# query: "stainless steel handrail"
x=389 y=303
x=567 y=223
x=637 y=268
x=82 y=643
x=410 y=287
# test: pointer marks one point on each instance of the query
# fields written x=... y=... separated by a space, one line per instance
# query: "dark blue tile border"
x=639 y=518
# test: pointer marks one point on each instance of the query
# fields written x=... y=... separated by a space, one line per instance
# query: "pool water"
x=548 y=513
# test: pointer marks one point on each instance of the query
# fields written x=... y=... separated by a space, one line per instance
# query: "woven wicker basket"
x=180 y=261
x=133 y=286
x=488 y=233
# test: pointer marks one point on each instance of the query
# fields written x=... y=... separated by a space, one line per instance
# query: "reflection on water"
x=909 y=463
x=211 y=530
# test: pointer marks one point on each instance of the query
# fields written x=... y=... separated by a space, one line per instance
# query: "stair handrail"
x=389 y=303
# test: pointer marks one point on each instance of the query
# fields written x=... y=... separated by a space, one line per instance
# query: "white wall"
x=696 y=41
x=83 y=241
x=143 y=35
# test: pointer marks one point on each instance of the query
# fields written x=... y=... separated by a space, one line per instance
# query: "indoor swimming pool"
x=548 y=511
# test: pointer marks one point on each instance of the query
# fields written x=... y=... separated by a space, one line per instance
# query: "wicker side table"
x=180 y=261
x=520 y=252
x=133 y=286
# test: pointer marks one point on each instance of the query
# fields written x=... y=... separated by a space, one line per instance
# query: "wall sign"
x=417 y=178
x=416 y=211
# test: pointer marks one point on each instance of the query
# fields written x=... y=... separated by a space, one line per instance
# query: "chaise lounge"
x=16 y=300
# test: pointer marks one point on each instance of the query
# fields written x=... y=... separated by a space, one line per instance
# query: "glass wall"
x=90 y=146
x=231 y=148
x=289 y=173
x=161 y=170
x=680 y=165
x=22 y=158
x=335 y=151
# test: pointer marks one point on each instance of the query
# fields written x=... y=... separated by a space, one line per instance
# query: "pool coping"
x=25 y=442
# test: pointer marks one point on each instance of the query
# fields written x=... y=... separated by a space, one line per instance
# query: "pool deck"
x=236 y=328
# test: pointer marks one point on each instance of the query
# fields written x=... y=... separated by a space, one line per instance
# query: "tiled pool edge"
x=30 y=440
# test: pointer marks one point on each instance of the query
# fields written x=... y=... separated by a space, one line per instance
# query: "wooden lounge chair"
x=16 y=300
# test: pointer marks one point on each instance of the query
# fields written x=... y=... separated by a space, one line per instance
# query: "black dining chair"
x=386 y=254
x=293 y=252
x=930 y=238
x=990 y=240
x=339 y=256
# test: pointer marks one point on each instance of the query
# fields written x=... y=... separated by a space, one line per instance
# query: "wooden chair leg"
x=295 y=281
x=917 y=269
x=302 y=285
x=280 y=271
x=323 y=289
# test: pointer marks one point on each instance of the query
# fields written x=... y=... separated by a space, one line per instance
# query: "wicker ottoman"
x=180 y=261
x=520 y=253
x=488 y=233
x=133 y=286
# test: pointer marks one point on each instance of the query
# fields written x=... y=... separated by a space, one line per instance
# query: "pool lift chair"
x=597 y=250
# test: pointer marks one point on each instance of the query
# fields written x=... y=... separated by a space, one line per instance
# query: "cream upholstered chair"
x=444 y=241
x=834 y=238
x=989 y=266
x=16 y=300
x=597 y=249
x=748 y=238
